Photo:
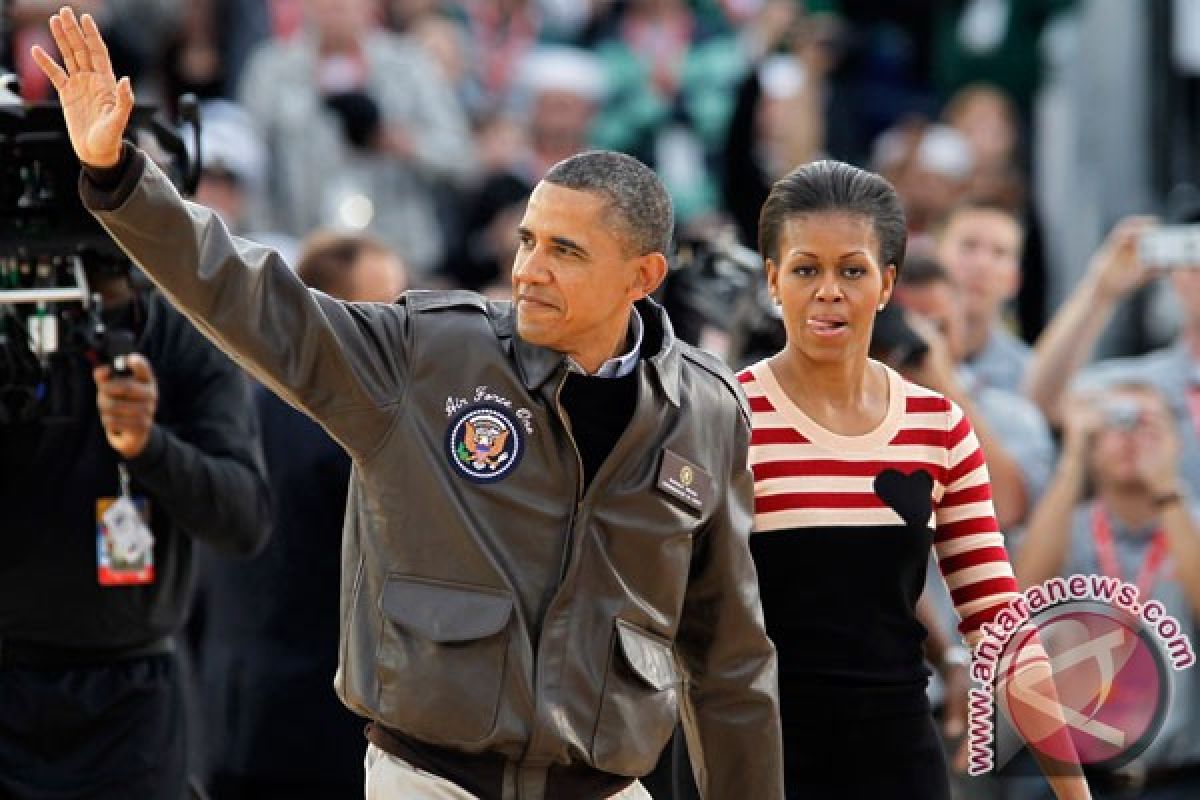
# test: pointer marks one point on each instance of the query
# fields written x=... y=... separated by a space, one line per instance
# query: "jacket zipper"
x=566 y=422
x=538 y=727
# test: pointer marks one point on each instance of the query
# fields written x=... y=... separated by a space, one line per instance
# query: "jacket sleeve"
x=341 y=363
x=731 y=706
x=203 y=467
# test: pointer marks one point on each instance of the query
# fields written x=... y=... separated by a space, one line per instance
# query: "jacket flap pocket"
x=446 y=612
x=649 y=656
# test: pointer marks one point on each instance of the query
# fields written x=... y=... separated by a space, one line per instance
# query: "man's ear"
x=651 y=271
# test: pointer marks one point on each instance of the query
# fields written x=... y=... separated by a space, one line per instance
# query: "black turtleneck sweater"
x=600 y=410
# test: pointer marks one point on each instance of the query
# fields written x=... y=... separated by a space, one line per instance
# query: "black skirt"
x=850 y=745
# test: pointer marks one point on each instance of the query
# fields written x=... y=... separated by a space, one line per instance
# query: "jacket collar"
x=660 y=350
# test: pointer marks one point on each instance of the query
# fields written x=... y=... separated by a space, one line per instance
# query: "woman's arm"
x=975 y=565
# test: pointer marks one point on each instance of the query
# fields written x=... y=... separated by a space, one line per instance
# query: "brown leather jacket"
x=489 y=605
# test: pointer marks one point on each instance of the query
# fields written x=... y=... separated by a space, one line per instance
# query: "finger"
x=96 y=48
x=75 y=39
x=63 y=45
x=108 y=404
x=140 y=367
x=53 y=71
x=128 y=390
x=125 y=97
x=129 y=423
x=102 y=374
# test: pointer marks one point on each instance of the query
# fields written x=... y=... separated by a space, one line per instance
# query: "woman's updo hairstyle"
x=834 y=186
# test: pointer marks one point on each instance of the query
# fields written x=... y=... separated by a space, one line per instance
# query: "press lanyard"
x=1105 y=552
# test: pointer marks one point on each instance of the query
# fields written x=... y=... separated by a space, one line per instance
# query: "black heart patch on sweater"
x=910 y=496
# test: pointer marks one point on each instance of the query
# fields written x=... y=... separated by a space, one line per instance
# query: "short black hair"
x=639 y=202
x=837 y=187
x=921 y=271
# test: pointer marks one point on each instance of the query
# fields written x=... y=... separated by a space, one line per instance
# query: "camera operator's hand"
x=127 y=405
x=1115 y=267
x=94 y=104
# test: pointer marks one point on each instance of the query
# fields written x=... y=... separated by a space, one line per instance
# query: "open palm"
x=95 y=104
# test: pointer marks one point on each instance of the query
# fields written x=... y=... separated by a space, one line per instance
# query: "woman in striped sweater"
x=857 y=474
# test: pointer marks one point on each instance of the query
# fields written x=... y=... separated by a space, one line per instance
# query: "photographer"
x=1140 y=526
x=91 y=689
x=1114 y=273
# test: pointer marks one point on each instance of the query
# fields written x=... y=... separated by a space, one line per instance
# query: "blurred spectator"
x=560 y=90
x=885 y=71
x=997 y=41
x=1114 y=272
x=986 y=117
x=447 y=44
x=209 y=48
x=501 y=32
x=930 y=166
x=361 y=130
x=1140 y=526
x=779 y=118
x=980 y=244
x=555 y=97
x=671 y=86
x=276 y=728
x=357 y=269
x=991 y=124
x=1015 y=438
x=233 y=172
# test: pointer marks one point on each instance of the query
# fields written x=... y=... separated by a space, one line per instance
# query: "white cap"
x=781 y=76
x=560 y=68
x=229 y=140
x=945 y=151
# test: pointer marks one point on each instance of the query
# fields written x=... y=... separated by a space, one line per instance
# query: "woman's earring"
x=881 y=306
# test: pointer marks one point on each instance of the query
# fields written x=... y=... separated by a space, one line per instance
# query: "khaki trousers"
x=391 y=778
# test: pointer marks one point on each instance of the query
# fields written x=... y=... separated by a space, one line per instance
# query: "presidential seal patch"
x=484 y=442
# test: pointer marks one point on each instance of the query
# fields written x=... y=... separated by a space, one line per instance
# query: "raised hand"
x=1115 y=266
x=95 y=105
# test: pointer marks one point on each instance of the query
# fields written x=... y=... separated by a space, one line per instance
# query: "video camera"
x=717 y=297
x=53 y=252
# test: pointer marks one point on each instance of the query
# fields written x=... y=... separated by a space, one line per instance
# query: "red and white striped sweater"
x=869 y=507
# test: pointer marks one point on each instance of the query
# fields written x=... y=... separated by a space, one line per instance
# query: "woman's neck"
x=847 y=397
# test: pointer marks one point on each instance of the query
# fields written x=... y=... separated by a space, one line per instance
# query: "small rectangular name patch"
x=685 y=481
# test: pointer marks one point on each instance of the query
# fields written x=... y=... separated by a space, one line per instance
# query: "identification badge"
x=124 y=543
x=685 y=481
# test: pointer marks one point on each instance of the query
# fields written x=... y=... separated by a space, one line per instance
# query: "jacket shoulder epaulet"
x=419 y=300
x=719 y=370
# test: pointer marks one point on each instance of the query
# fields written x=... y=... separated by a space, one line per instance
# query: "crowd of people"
x=386 y=145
